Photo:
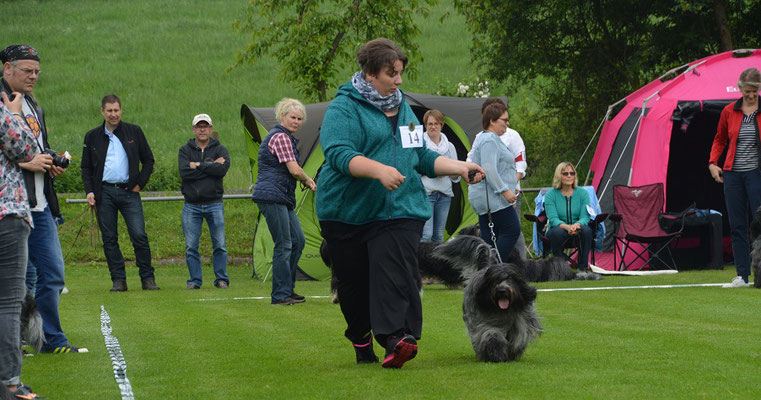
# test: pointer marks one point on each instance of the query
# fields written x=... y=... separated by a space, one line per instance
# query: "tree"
x=314 y=39
x=581 y=55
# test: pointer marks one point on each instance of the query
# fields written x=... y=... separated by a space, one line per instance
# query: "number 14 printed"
x=411 y=137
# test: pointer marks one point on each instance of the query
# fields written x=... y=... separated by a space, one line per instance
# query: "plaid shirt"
x=17 y=144
x=280 y=146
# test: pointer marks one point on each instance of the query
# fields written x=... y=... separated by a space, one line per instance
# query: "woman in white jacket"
x=439 y=189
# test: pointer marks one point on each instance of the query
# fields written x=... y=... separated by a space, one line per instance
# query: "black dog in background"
x=755 y=253
x=539 y=270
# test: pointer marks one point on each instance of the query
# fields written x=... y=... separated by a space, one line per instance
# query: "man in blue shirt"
x=113 y=177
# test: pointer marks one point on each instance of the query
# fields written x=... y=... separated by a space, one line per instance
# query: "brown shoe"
x=150 y=284
x=119 y=286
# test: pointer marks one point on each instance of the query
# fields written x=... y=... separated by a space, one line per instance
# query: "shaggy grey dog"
x=755 y=253
x=498 y=304
x=31 y=324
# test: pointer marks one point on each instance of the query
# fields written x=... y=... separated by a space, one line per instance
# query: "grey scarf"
x=369 y=93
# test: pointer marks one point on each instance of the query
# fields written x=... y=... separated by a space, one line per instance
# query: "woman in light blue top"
x=439 y=189
x=496 y=194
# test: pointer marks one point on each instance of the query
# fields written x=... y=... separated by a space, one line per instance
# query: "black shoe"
x=285 y=302
x=222 y=284
x=399 y=351
x=192 y=286
x=64 y=350
x=150 y=284
x=119 y=286
x=297 y=296
x=364 y=351
x=25 y=392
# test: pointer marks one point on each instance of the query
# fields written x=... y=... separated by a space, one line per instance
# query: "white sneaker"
x=737 y=282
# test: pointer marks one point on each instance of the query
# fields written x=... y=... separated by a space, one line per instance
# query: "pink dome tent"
x=664 y=134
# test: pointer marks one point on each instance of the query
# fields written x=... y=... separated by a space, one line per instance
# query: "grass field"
x=685 y=343
x=168 y=61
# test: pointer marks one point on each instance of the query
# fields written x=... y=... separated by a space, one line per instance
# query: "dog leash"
x=491 y=222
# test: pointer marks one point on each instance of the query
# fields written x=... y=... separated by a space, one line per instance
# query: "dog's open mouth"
x=503 y=303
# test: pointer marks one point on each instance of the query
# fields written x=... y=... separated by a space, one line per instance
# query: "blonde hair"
x=749 y=77
x=557 y=179
x=287 y=105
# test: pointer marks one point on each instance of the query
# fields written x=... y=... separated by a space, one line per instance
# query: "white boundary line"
x=117 y=359
x=631 y=287
x=255 y=298
x=538 y=290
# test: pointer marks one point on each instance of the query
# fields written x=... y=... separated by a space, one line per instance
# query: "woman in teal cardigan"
x=567 y=215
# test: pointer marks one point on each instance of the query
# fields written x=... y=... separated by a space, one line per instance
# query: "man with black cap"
x=112 y=174
x=21 y=68
x=203 y=163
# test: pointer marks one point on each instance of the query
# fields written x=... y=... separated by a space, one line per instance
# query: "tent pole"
x=628 y=140
x=607 y=114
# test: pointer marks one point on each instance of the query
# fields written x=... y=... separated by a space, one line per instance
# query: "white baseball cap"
x=202 y=117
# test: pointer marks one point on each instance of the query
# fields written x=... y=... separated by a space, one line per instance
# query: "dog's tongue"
x=504 y=303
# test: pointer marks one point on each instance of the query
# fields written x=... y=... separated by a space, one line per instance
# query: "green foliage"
x=314 y=40
x=580 y=56
x=211 y=343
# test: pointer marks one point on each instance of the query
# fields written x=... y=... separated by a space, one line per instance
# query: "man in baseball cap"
x=203 y=163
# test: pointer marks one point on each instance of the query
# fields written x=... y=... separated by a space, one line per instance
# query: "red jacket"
x=728 y=129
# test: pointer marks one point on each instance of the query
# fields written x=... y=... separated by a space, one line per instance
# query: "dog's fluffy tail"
x=587 y=276
x=466 y=253
x=31 y=324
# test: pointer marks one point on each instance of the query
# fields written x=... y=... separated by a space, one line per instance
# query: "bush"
x=165 y=177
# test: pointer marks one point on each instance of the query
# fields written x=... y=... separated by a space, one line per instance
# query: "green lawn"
x=639 y=343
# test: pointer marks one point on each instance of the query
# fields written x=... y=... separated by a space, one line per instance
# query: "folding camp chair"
x=638 y=209
x=573 y=244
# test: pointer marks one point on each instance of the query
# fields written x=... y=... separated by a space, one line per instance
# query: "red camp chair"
x=637 y=211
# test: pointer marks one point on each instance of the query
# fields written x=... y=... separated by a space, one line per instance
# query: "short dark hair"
x=378 y=54
x=490 y=101
x=110 y=98
x=492 y=113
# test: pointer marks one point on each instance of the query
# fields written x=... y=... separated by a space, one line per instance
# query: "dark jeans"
x=13 y=255
x=289 y=243
x=742 y=193
x=507 y=228
x=559 y=236
x=112 y=201
x=192 y=222
x=376 y=266
x=46 y=257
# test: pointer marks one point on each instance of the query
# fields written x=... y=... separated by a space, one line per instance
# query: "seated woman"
x=567 y=215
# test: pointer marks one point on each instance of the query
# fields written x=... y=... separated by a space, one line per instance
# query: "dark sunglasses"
x=569 y=173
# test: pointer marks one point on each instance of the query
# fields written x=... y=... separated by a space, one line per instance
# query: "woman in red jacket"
x=738 y=132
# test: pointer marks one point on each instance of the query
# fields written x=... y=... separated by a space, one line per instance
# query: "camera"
x=58 y=160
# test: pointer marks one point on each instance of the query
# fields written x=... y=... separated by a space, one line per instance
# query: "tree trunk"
x=722 y=21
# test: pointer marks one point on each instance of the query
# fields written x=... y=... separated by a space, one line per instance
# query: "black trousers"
x=377 y=270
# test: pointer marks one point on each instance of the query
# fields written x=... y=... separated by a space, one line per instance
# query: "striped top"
x=746 y=156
